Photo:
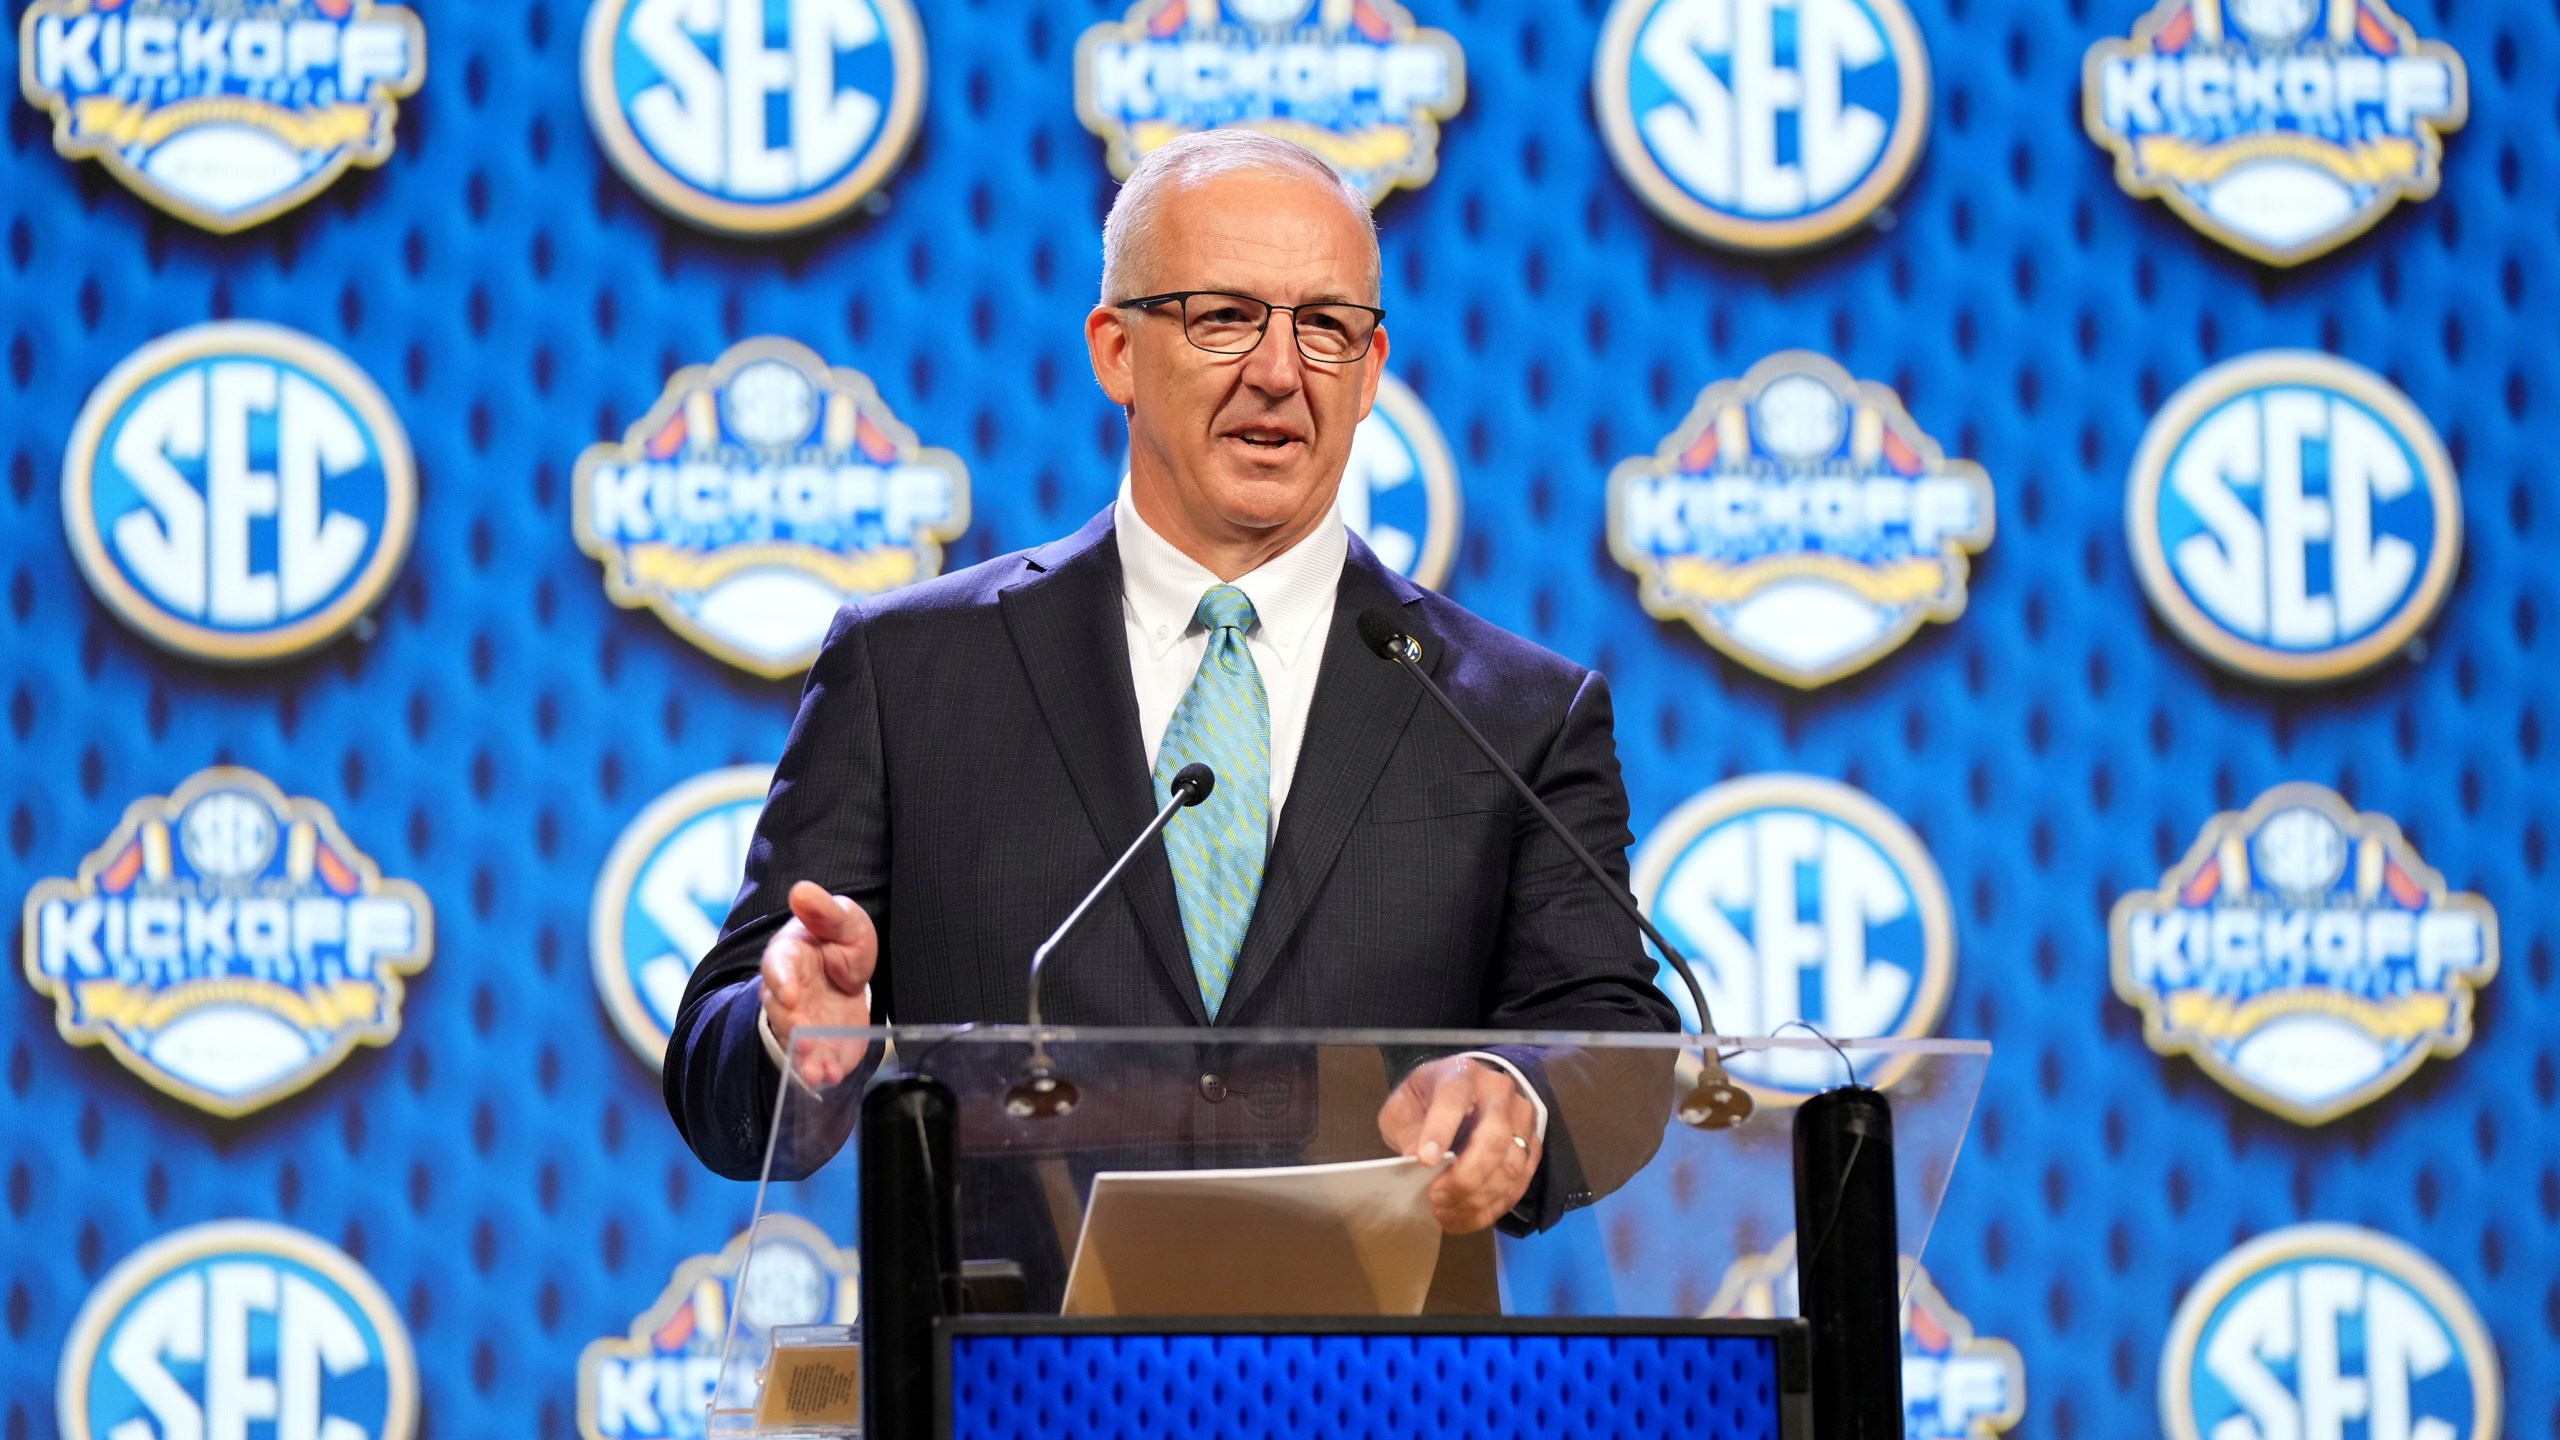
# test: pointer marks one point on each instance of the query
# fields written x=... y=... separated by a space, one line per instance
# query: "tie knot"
x=1224 y=607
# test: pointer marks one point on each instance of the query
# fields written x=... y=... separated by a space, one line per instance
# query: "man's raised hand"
x=817 y=971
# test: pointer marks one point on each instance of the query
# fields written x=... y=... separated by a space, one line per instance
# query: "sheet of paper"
x=1354 y=1238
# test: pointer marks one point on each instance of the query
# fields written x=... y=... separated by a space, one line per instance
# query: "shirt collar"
x=1290 y=592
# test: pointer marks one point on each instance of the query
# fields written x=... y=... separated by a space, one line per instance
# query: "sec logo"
x=2281 y=128
x=665 y=890
x=1355 y=81
x=222 y=112
x=1798 y=898
x=1800 y=521
x=219 y=1328
x=2324 y=1331
x=1956 y=1385
x=659 y=1381
x=761 y=493
x=2294 y=517
x=2304 y=955
x=238 y=492
x=755 y=117
x=1400 y=491
x=227 y=943
x=1765 y=125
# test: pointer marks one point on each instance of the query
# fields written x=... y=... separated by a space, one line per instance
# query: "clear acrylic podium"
x=1645 y=1217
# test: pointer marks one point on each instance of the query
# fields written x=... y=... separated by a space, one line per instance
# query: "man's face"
x=1241 y=450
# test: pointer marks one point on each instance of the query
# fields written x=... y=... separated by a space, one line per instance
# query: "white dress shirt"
x=1292 y=594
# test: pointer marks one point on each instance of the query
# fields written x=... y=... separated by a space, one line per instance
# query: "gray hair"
x=1128 y=233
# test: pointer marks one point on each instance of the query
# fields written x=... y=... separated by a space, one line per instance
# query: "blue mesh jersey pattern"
x=504 y=1168
x=1316 y=1387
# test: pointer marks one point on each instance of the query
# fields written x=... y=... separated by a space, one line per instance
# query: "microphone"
x=1717 y=1103
x=1042 y=1092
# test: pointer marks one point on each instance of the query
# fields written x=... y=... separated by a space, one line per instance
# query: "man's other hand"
x=817 y=971
x=1422 y=1119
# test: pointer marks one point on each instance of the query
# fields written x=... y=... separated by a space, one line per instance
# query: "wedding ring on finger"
x=1522 y=1141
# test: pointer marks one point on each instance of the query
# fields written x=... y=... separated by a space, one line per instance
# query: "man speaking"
x=972 y=752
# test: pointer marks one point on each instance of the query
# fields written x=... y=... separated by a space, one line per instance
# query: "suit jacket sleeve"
x=1571 y=960
x=826 y=819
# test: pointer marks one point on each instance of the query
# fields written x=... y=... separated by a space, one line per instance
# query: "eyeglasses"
x=1333 y=333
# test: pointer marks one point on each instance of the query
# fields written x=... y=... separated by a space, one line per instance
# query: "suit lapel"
x=1359 y=714
x=1066 y=625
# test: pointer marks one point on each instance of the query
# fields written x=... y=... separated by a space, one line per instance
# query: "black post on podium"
x=910 y=1229
x=1848 y=1266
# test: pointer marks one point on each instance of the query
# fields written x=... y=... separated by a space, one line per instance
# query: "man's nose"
x=1274 y=365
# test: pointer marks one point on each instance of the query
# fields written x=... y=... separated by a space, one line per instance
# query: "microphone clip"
x=1042 y=1093
x=1716 y=1103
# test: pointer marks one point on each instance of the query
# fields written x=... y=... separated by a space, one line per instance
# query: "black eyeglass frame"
x=1297 y=337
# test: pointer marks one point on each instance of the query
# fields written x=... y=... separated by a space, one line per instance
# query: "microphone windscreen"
x=1194 y=782
x=1378 y=631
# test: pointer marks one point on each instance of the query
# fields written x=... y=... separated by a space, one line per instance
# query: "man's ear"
x=1107 y=341
x=1373 y=366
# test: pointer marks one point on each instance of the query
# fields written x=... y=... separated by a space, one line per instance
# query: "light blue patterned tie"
x=1224 y=722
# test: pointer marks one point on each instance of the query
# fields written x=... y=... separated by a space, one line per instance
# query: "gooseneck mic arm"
x=1717 y=1103
x=1191 y=785
x=1043 y=1091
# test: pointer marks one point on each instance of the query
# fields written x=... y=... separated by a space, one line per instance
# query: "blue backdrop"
x=504 y=1168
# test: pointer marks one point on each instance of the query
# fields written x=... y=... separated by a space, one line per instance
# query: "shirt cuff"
x=781 y=1061
x=1536 y=1102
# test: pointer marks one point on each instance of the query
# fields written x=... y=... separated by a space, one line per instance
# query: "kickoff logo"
x=760 y=494
x=1798 y=898
x=659 y=1381
x=754 y=117
x=1400 y=491
x=2304 y=955
x=2281 y=128
x=227 y=944
x=221 y=1327
x=1765 y=125
x=2312 y=1330
x=2294 y=517
x=1353 y=80
x=665 y=890
x=238 y=492
x=224 y=113
x=1800 y=521
x=1955 y=1385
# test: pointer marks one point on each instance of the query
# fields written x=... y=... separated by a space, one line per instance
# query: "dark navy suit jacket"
x=967 y=762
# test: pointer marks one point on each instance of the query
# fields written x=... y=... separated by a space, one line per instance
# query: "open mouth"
x=1264 y=439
